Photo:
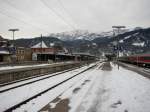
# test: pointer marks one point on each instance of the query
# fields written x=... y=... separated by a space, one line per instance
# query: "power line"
x=65 y=10
x=20 y=20
x=10 y=4
x=57 y=14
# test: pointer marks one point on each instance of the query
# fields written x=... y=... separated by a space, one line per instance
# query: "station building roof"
x=40 y=45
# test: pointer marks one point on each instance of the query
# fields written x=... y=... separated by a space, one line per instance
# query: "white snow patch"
x=17 y=67
x=121 y=41
x=139 y=44
x=52 y=44
x=80 y=37
x=59 y=37
x=127 y=37
x=39 y=45
x=94 y=44
x=53 y=105
x=135 y=34
x=4 y=52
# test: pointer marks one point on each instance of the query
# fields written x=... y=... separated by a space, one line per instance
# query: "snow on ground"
x=98 y=90
x=16 y=67
x=19 y=94
x=25 y=66
x=27 y=81
x=127 y=37
x=111 y=91
x=121 y=41
x=139 y=44
x=39 y=102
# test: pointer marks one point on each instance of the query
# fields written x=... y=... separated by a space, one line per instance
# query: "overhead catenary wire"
x=5 y=13
x=66 y=11
x=58 y=15
x=10 y=4
x=21 y=21
x=39 y=28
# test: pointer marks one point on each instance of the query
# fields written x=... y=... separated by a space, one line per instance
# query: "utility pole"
x=118 y=46
x=13 y=31
x=41 y=48
x=13 y=43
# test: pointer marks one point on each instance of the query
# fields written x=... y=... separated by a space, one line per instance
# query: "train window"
x=146 y=58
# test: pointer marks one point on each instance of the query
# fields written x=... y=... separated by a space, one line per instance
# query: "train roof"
x=144 y=54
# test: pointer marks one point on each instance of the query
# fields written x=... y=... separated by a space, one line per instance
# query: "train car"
x=141 y=60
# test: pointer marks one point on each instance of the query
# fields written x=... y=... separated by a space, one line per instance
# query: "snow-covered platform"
x=105 y=89
x=12 y=74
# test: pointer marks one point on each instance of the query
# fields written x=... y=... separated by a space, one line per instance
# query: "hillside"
x=131 y=42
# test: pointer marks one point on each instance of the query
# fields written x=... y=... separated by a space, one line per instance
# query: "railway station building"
x=5 y=55
x=53 y=52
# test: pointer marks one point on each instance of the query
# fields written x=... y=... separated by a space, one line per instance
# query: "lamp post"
x=13 y=31
x=118 y=46
x=41 y=48
x=13 y=43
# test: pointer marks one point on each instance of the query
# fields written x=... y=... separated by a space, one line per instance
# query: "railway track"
x=11 y=108
x=146 y=70
x=30 y=82
x=141 y=70
x=27 y=68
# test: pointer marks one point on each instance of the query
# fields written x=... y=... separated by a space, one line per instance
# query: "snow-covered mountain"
x=80 y=35
x=84 y=35
x=132 y=41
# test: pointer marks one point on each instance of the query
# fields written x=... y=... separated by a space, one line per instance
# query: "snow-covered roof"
x=138 y=44
x=52 y=44
x=39 y=45
x=4 y=52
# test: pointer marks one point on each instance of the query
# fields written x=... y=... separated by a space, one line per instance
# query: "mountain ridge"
x=131 y=42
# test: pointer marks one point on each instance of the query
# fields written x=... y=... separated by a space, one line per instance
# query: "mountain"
x=2 y=38
x=131 y=42
x=73 y=35
x=80 y=35
x=32 y=41
x=137 y=41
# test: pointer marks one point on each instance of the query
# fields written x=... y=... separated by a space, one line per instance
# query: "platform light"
x=118 y=29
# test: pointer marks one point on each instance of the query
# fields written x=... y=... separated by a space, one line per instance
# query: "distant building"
x=43 y=52
x=5 y=54
x=23 y=54
x=84 y=56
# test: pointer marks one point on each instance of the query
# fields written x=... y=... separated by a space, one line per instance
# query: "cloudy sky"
x=35 y=17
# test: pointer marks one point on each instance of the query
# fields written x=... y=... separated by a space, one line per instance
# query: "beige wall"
x=7 y=58
x=23 y=54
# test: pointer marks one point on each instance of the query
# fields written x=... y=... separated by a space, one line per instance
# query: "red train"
x=141 y=60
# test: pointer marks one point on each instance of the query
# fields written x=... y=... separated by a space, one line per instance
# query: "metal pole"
x=13 y=38
x=41 y=48
x=13 y=43
x=137 y=61
x=118 y=46
x=13 y=31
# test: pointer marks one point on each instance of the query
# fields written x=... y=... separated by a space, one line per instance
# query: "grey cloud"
x=32 y=17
